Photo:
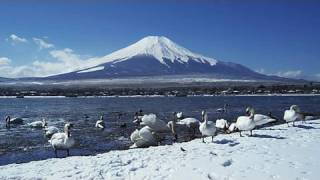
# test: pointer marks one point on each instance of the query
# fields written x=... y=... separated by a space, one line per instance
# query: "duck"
x=62 y=140
x=292 y=115
x=38 y=124
x=100 y=123
x=207 y=128
x=15 y=120
x=144 y=137
x=246 y=123
x=50 y=130
x=155 y=124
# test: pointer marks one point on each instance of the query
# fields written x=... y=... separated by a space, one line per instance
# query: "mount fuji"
x=159 y=56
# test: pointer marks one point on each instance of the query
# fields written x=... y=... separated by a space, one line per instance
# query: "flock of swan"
x=152 y=129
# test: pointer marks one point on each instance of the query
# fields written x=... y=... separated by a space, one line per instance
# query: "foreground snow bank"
x=275 y=152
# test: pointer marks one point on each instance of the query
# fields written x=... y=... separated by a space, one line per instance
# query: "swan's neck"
x=251 y=116
x=67 y=132
x=8 y=118
x=205 y=118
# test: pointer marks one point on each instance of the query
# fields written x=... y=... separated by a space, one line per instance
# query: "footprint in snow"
x=227 y=163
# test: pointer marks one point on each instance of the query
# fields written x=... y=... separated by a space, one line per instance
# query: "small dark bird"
x=212 y=153
x=183 y=150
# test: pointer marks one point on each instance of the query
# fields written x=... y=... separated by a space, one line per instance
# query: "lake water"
x=22 y=144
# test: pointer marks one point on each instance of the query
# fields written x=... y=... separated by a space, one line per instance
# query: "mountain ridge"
x=158 y=56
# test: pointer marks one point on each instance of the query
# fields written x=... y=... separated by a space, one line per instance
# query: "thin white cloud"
x=42 y=44
x=290 y=74
x=14 y=39
x=261 y=71
x=296 y=74
x=64 y=61
x=4 y=61
x=286 y=74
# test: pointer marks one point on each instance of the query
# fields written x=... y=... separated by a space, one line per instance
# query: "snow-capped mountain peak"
x=159 y=47
x=159 y=56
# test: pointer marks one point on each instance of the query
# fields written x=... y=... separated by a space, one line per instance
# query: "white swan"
x=246 y=123
x=38 y=124
x=100 y=123
x=50 y=130
x=222 y=124
x=292 y=115
x=180 y=115
x=261 y=119
x=207 y=128
x=143 y=137
x=155 y=124
x=191 y=123
x=10 y=120
x=232 y=127
x=62 y=141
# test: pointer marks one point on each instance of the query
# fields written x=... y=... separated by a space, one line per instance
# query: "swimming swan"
x=100 y=123
x=10 y=121
x=38 y=124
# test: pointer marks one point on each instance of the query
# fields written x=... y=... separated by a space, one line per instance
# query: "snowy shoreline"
x=277 y=152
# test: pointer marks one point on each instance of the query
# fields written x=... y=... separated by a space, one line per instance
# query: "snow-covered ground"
x=277 y=152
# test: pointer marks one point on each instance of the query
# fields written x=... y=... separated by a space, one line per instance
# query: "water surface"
x=23 y=144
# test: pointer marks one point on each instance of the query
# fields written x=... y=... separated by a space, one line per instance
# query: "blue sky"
x=273 y=37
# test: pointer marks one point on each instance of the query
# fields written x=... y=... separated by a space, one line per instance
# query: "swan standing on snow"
x=222 y=124
x=155 y=124
x=38 y=124
x=261 y=119
x=232 y=127
x=100 y=123
x=62 y=141
x=191 y=123
x=246 y=123
x=207 y=128
x=10 y=121
x=172 y=125
x=292 y=115
x=143 y=137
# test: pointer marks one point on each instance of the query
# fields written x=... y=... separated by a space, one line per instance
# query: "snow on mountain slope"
x=159 y=47
x=98 y=68
x=159 y=56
